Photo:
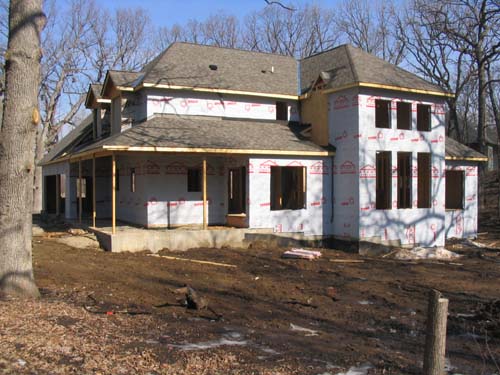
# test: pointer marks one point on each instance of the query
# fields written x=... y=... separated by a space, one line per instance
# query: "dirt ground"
x=106 y=313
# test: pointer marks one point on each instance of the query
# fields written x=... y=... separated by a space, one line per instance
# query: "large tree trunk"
x=37 y=183
x=17 y=146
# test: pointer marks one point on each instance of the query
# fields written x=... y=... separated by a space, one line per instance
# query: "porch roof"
x=204 y=134
x=458 y=151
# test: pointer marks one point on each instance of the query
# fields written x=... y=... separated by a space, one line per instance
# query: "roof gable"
x=348 y=66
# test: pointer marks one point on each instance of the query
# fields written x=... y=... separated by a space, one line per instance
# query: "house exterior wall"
x=463 y=223
x=161 y=198
x=353 y=132
x=314 y=220
x=213 y=104
x=423 y=226
x=343 y=119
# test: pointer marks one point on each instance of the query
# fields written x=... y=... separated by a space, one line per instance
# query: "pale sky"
x=169 y=12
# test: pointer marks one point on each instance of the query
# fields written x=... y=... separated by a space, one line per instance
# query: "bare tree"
x=80 y=44
x=437 y=58
x=300 y=32
x=17 y=144
x=475 y=24
x=372 y=27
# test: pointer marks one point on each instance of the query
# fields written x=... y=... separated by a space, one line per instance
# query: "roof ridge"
x=351 y=62
x=325 y=51
x=235 y=49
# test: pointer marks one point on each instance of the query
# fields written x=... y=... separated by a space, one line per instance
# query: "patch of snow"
x=365 y=303
x=425 y=253
x=226 y=340
x=362 y=370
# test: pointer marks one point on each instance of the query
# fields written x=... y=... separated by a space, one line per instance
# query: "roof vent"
x=213 y=67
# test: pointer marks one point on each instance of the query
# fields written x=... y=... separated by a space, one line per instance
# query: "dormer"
x=98 y=105
x=119 y=89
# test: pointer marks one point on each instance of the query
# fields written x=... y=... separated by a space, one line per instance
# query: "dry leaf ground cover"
x=119 y=313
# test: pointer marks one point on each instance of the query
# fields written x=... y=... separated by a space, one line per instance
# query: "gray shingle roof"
x=122 y=78
x=457 y=151
x=186 y=64
x=345 y=65
x=212 y=133
x=96 y=88
x=70 y=141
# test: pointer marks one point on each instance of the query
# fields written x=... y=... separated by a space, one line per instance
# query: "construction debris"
x=307 y=331
x=301 y=254
x=193 y=261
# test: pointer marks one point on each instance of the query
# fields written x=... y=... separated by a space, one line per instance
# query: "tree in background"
x=17 y=144
x=80 y=44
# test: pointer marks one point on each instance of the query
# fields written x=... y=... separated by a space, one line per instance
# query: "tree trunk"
x=37 y=181
x=17 y=146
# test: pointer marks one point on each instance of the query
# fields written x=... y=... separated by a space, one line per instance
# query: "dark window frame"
x=383 y=180
x=404 y=116
x=404 y=189
x=454 y=200
x=383 y=114
x=424 y=118
x=281 y=111
x=288 y=188
x=424 y=184
x=194 y=180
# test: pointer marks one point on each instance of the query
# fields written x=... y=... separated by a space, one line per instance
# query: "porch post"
x=93 y=192
x=58 y=193
x=205 y=221
x=80 y=187
x=113 y=194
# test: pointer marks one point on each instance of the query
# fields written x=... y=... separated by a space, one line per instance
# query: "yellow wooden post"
x=58 y=193
x=80 y=187
x=113 y=194
x=93 y=192
x=205 y=208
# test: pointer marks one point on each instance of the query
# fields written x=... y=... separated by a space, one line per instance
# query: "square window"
x=404 y=115
x=194 y=180
x=383 y=114
x=288 y=188
x=423 y=117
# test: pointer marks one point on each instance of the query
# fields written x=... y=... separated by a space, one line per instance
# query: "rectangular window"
x=281 y=111
x=132 y=180
x=383 y=114
x=423 y=117
x=81 y=184
x=288 y=188
x=404 y=115
x=424 y=180
x=454 y=190
x=194 y=180
x=404 y=179
x=383 y=180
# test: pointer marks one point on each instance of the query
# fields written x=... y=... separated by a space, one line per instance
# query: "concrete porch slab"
x=137 y=239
